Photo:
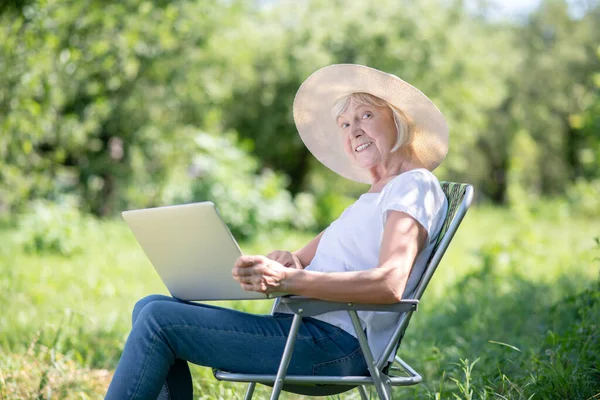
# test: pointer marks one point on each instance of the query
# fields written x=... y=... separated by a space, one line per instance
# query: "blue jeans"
x=167 y=332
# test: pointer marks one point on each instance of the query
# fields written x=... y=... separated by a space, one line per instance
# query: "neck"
x=402 y=160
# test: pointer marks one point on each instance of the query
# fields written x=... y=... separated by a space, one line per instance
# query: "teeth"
x=362 y=147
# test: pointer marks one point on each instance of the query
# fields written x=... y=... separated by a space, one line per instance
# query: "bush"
x=49 y=228
x=250 y=201
x=584 y=197
x=333 y=193
x=568 y=364
x=330 y=206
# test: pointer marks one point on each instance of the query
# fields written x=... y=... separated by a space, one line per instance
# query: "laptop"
x=191 y=249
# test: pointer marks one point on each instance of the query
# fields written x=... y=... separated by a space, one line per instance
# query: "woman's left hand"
x=260 y=274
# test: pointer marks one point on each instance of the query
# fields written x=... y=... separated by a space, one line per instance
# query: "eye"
x=344 y=125
x=367 y=115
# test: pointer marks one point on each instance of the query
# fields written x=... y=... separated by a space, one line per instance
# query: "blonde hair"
x=403 y=127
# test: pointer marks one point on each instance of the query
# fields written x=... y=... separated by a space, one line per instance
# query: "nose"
x=356 y=131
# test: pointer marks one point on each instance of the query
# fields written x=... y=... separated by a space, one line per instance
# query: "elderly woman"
x=368 y=126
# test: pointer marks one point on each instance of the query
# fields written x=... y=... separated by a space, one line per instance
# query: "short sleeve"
x=417 y=193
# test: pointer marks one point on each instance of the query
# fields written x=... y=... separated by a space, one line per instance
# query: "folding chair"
x=382 y=375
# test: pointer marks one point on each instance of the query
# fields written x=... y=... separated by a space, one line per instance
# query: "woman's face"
x=368 y=133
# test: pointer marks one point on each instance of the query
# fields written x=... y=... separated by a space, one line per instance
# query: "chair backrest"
x=460 y=196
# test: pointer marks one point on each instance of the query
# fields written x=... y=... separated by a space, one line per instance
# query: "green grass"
x=513 y=312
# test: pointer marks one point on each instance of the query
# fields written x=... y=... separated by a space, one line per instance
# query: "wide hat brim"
x=314 y=120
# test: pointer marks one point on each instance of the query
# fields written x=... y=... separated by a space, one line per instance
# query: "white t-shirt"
x=352 y=242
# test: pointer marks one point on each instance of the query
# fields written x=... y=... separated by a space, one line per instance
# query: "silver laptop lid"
x=191 y=249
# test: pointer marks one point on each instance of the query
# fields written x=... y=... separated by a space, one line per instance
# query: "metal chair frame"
x=380 y=376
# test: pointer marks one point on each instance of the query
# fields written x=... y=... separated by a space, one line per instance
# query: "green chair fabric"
x=455 y=192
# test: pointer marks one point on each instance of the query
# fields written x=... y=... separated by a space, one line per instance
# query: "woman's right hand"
x=285 y=258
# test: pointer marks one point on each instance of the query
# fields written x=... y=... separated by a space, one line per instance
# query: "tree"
x=97 y=94
x=456 y=59
x=554 y=82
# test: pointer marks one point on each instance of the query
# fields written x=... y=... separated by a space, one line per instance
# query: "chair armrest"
x=308 y=307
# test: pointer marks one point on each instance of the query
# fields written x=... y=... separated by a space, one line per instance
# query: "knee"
x=154 y=316
x=141 y=304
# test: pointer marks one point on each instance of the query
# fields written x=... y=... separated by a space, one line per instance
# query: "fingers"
x=246 y=266
x=248 y=261
x=283 y=257
x=248 y=280
x=251 y=287
x=247 y=287
x=241 y=272
x=257 y=273
x=276 y=255
x=252 y=283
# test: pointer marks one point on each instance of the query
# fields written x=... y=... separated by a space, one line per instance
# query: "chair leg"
x=364 y=394
x=388 y=390
x=250 y=391
x=380 y=380
x=287 y=356
x=384 y=389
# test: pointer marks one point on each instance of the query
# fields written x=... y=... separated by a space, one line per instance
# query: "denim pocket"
x=351 y=364
x=321 y=330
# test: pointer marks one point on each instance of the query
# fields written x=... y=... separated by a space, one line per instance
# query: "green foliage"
x=568 y=363
x=517 y=298
x=464 y=383
x=250 y=201
x=51 y=228
x=116 y=105
x=524 y=186
x=584 y=196
x=329 y=207
x=586 y=130
x=333 y=194
x=554 y=81
x=529 y=337
x=97 y=97
x=463 y=74
x=551 y=80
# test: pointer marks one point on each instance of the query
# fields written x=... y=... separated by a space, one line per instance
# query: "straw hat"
x=318 y=94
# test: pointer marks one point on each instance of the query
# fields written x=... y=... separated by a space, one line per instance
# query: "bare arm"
x=298 y=259
x=307 y=253
x=403 y=239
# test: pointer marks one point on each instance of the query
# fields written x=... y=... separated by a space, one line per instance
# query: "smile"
x=360 y=148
